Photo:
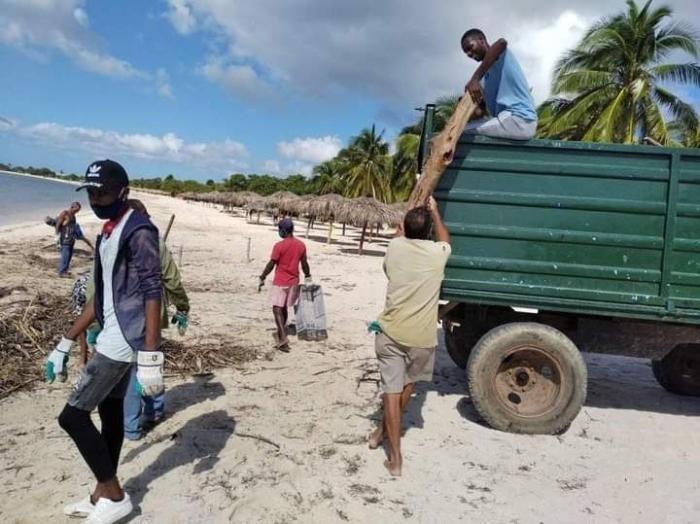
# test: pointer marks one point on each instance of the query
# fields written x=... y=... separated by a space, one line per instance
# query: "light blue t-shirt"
x=505 y=88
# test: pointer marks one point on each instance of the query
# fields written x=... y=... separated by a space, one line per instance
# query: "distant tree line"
x=39 y=171
x=261 y=184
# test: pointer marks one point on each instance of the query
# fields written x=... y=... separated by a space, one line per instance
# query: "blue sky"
x=204 y=88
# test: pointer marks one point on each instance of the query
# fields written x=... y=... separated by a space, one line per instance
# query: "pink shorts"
x=286 y=296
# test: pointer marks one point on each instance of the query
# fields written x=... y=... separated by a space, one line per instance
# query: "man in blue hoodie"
x=126 y=304
x=500 y=81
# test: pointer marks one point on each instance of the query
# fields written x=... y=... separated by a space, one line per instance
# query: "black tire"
x=460 y=339
x=526 y=377
x=679 y=371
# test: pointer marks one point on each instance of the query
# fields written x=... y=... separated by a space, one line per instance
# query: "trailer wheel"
x=679 y=371
x=460 y=339
x=527 y=378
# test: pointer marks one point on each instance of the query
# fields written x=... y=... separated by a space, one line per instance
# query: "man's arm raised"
x=495 y=50
x=441 y=233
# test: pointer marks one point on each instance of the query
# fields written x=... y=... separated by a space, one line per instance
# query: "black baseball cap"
x=105 y=174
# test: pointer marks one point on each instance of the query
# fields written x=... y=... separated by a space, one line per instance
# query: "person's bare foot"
x=394 y=469
x=375 y=438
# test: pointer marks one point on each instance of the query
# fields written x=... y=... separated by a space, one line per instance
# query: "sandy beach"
x=283 y=437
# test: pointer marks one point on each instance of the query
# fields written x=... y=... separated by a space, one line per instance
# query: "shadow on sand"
x=196 y=443
x=614 y=382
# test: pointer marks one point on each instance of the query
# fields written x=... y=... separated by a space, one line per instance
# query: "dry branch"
x=442 y=150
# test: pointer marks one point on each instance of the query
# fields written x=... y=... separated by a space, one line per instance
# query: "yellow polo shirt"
x=415 y=269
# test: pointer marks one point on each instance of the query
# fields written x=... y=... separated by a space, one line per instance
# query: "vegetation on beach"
x=617 y=85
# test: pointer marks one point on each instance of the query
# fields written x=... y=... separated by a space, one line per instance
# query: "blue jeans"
x=135 y=405
x=66 y=255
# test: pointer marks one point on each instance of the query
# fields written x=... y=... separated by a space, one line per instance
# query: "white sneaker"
x=108 y=512
x=82 y=508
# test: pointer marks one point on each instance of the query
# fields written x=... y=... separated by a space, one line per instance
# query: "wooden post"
x=179 y=259
x=308 y=226
x=330 y=231
x=248 y=250
x=167 y=230
x=441 y=152
x=362 y=236
x=343 y=228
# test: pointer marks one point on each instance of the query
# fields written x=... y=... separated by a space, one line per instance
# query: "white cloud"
x=58 y=25
x=272 y=167
x=392 y=50
x=538 y=56
x=42 y=27
x=81 y=16
x=312 y=150
x=241 y=80
x=7 y=124
x=169 y=147
x=163 y=84
x=181 y=17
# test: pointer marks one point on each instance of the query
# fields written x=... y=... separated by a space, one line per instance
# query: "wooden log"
x=330 y=232
x=362 y=237
x=167 y=230
x=442 y=150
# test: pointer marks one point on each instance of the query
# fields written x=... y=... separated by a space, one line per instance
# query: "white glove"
x=149 y=372
x=56 y=366
x=308 y=281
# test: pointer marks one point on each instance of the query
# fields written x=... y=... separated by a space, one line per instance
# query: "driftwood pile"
x=202 y=357
x=29 y=332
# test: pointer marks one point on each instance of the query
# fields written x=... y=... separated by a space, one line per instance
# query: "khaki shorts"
x=400 y=365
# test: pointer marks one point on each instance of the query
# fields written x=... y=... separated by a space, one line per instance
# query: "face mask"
x=110 y=211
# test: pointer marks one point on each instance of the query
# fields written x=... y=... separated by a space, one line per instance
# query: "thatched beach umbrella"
x=240 y=198
x=282 y=200
x=257 y=205
x=211 y=197
x=398 y=211
x=300 y=205
x=326 y=207
x=363 y=212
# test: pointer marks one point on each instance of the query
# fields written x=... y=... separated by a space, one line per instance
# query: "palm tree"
x=684 y=136
x=405 y=162
x=327 y=178
x=613 y=86
x=405 y=166
x=366 y=165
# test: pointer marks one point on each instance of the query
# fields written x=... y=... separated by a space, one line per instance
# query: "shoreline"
x=71 y=182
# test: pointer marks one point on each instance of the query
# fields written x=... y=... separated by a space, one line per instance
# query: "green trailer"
x=560 y=247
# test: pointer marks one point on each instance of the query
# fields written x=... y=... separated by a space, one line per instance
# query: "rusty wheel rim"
x=528 y=382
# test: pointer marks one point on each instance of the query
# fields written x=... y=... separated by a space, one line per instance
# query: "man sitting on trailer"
x=500 y=81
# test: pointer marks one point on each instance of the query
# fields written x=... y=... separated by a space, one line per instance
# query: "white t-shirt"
x=111 y=341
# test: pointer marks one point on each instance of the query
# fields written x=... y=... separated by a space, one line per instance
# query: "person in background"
x=406 y=330
x=143 y=411
x=126 y=304
x=287 y=255
x=68 y=231
x=505 y=90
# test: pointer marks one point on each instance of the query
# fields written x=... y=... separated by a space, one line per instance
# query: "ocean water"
x=29 y=199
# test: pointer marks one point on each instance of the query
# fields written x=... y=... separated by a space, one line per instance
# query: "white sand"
x=632 y=455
